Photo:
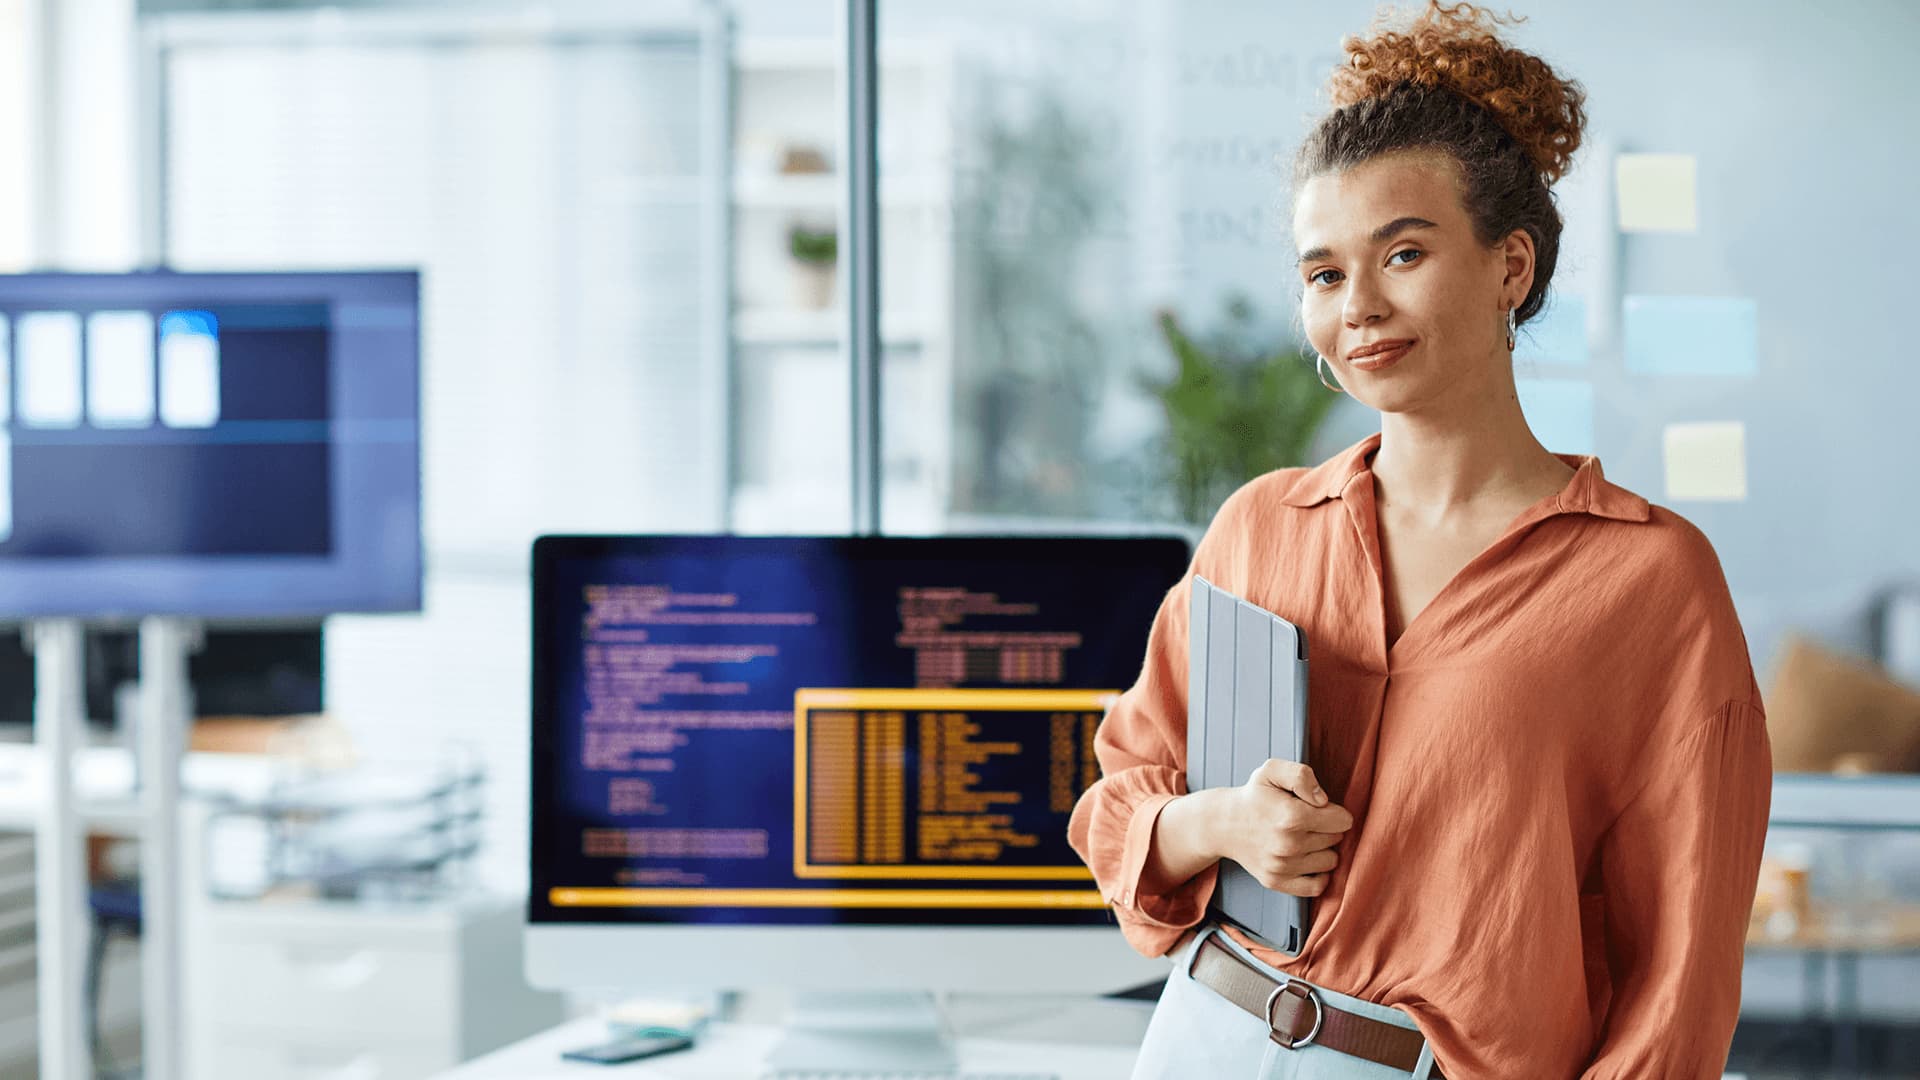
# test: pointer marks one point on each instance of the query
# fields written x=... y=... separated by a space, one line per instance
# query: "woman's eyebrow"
x=1380 y=236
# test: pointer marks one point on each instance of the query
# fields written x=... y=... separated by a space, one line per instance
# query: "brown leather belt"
x=1295 y=1014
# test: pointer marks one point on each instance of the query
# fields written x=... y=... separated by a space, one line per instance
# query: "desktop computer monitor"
x=223 y=446
x=819 y=763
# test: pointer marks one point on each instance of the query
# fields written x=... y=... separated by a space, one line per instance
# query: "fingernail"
x=1319 y=796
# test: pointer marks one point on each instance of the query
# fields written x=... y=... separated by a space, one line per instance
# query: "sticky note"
x=1691 y=335
x=120 y=369
x=1707 y=460
x=49 y=350
x=1656 y=192
x=1560 y=412
x=1556 y=335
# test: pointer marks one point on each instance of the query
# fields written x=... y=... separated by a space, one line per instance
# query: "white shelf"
x=814 y=55
x=670 y=190
x=822 y=191
x=775 y=327
x=1816 y=800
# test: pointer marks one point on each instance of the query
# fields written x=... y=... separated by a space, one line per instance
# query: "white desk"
x=1073 y=1039
x=1084 y=1040
x=103 y=784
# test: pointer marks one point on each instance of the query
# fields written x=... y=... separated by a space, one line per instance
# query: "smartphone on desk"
x=628 y=1048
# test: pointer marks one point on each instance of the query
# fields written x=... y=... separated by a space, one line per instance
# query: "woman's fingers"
x=1291 y=777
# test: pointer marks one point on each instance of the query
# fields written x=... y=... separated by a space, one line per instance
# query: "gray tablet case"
x=1246 y=702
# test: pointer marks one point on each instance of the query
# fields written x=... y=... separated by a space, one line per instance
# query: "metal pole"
x=60 y=868
x=150 y=157
x=862 y=247
x=43 y=143
x=166 y=715
x=716 y=227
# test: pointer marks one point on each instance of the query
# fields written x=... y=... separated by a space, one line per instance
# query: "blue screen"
x=756 y=730
x=213 y=445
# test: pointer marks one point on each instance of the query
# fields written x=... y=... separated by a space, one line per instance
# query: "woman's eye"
x=1314 y=278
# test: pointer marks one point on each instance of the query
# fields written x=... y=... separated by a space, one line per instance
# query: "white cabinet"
x=347 y=991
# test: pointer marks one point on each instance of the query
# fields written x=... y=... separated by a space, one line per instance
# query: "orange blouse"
x=1559 y=776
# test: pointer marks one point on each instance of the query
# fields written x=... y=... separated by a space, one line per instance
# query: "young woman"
x=1539 y=769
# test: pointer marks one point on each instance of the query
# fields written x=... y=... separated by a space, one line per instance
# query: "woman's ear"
x=1516 y=252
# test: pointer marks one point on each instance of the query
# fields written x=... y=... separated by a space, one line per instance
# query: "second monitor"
x=218 y=446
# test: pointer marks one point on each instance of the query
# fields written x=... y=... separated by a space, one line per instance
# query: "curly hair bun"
x=1456 y=48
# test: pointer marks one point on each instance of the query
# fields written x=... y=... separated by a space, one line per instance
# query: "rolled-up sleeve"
x=1678 y=869
x=1142 y=749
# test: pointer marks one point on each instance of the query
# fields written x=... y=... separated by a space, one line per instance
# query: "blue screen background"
x=1107 y=590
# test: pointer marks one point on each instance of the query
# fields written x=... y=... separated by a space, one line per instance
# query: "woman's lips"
x=1382 y=359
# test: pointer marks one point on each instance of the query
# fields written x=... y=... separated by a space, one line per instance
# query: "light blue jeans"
x=1196 y=1032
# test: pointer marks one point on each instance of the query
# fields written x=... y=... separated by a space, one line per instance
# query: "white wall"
x=16 y=110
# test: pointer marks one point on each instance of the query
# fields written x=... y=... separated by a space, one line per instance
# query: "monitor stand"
x=864 y=1031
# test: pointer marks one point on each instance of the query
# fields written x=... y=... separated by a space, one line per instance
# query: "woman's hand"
x=1281 y=828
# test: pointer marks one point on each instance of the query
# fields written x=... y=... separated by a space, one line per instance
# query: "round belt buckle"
x=1304 y=992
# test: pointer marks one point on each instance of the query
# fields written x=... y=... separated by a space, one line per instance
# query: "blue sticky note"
x=1691 y=335
x=1557 y=335
x=1560 y=412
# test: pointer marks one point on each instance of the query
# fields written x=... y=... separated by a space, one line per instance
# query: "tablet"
x=1246 y=703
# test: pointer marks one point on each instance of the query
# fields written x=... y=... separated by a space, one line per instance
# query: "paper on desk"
x=675 y=1013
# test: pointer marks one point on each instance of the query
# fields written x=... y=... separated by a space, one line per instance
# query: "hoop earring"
x=1510 y=329
x=1317 y=361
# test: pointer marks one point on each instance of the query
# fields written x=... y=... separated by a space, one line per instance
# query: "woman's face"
x=1387 y=254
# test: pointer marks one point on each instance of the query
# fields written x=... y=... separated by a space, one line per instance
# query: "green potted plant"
x=814 y=252
x=1238 y=404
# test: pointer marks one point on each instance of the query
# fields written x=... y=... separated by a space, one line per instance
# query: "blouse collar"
x=1588 y=491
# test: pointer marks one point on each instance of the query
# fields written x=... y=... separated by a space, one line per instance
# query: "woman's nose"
x=1365 y=303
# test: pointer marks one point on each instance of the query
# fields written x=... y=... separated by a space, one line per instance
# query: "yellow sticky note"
x=1656 y=192
x=1707 y=460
